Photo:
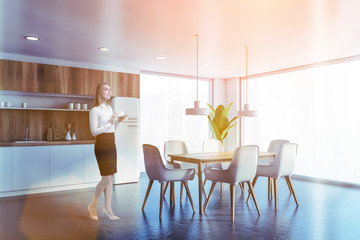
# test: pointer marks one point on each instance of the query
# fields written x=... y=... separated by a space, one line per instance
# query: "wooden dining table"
x=206 y=158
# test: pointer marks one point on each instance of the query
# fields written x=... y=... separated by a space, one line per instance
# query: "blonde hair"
x=98 y=95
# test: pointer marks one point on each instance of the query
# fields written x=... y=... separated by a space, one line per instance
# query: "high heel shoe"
x=111 y=216
x=91 y=215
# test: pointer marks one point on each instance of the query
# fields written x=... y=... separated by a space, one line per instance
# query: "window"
x=163 y=101
x=317 y=108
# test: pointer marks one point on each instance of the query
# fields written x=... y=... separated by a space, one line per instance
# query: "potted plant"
x=219 y=123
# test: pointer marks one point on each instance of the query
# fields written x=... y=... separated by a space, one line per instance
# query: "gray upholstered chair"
x=282 y=166
x=178 y=147
x=274 y=147
x=156 y=170
x=242 y=169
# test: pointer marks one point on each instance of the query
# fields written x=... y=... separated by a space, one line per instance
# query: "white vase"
x=73 y=136
x=68 y=136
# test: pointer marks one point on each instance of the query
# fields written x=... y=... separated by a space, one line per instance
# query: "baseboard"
x=326 y=181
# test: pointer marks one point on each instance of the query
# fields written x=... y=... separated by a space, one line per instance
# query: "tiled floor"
x=325 y=212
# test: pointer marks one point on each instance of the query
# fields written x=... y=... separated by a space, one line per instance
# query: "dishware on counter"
x=2 y=104
x=68 y=136
x=8 y=104
x=70 y=105
x=73 y=137
x=84 y=106
x=23 y=104
x=77 y=106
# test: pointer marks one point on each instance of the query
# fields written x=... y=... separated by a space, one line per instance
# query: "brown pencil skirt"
x=105 y=152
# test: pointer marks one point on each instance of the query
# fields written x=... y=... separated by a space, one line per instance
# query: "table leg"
x=200 y=188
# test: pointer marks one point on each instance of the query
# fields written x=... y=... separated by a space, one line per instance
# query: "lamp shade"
x=197 y=110
x=247 y=112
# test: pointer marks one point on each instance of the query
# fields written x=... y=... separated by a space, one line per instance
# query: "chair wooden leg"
x=147 y=193
x=288 y=184
x=241 y=187
x=166 y=186
x=161 y=199
x=251 y=189
x=205 y=181
x=221 y=189
x=269 y=187
x=203 y=188
x=292 y=189
x=181 y=191
x=172 y=188
x=189 y=195
x=276 y=194
x=210 y=193
x=232 y=197
x=253 y=184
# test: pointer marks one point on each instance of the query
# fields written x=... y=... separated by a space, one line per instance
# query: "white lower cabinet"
x=91 y=169
x=66 y=165
x=5 y=169
x=30 y=167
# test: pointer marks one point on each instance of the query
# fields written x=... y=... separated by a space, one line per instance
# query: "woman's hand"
x=113 y=118
x=120 y=119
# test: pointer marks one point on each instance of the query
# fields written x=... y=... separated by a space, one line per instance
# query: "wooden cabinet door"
x=11 y=76
x=29 y=77
x=75 y=81
x=125 y=84
x=91 y=79
x=18 y=76
x=51 y=78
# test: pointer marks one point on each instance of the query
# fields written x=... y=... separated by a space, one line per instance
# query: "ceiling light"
x=197 y=110
x=104 y=49
x=32 y=38
x=246 y=112
x=160 y=57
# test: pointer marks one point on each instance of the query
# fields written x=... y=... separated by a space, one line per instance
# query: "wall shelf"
x=46 y=109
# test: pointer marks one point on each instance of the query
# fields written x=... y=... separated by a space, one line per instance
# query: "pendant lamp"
x=247 y=112
x=197 y=110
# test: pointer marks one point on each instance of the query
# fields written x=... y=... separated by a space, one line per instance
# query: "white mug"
x=71 y=105
x=2 y=104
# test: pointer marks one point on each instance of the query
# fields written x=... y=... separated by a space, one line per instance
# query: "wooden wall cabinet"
x=91 y=79
x=18 y=76
x=37 y=77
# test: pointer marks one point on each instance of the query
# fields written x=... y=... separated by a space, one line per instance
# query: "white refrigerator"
x=127 y=140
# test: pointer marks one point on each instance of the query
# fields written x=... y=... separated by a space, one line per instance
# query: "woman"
x=103 y=123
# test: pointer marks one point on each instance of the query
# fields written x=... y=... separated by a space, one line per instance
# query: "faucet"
x=27 y=133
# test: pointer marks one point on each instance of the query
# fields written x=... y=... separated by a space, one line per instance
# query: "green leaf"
x=212 y=111
x=227 y=109
x=214 y=128
x=224 y=133
x=233 y=119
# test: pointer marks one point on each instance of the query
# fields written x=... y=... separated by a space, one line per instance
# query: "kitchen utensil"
x=59 y=134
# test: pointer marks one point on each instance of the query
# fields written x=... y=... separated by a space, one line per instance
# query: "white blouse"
x=100 y=120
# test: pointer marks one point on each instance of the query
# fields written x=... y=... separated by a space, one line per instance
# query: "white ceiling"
x=280 y=33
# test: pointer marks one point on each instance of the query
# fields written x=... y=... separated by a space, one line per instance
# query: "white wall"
x=219 y=92
x=231 y=93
